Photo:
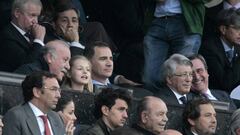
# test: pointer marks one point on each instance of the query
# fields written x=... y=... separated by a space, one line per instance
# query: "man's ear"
x=144 y=117
x=36 y=92
x=192 y=122
x=48 y=57
x=168 y=80
x=222 y=29
x=105 y=110
x=17 y=12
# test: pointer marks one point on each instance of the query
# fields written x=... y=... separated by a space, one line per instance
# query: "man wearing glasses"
x=176 y=80
x=222 y=52
x=41 y=92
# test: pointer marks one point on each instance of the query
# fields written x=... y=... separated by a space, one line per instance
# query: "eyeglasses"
x=55 y=89
x=184 y=75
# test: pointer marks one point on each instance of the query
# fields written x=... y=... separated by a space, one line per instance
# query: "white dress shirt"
x=38 y=113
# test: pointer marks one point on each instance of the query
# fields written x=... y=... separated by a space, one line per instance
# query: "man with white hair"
x=55 y=59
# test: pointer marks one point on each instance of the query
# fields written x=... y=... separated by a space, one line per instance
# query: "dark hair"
x=36 y=79
x=63 y=102
x=64 y=6
x=229 y=17
x=108 y=97
x=200 y=57
x=89 y=50
x=192 y=110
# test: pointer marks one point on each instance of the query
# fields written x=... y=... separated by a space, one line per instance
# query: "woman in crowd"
x=79 y=75
x=66 y=109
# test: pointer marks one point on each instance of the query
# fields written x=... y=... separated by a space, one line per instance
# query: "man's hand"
x=38 y=31
x=122 y=80
x=70 y=34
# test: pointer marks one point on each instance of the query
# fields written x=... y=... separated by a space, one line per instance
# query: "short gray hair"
x=235 y=122
x=170 y=65
x=20 y=4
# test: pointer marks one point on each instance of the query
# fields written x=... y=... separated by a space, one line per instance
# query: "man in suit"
x=111 y=111
x=222 y=53
x=199 y=118
x=151 y=116
x=235 y=123
x=200 y=82
x=101 y=58
x=41 y=92
x=176 y=80
x=22 y=39
x=54 y=59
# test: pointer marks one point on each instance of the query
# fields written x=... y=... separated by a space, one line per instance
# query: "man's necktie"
x=29 y=36
x=46 y=127
x=183 y=99
x=230 y=54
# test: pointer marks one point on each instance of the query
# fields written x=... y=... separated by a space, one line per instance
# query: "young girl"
x=79 y=75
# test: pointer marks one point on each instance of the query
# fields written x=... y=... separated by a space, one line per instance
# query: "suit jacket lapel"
x=31 y=120
x=19 y=37
x=54 y=124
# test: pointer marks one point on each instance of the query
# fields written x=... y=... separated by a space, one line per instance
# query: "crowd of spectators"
x=185 y=56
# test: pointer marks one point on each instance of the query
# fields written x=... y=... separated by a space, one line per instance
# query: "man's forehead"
x=207 y=108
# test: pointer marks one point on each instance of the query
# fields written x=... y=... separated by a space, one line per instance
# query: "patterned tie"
x=230 y=54
x=183 y=99
x=46 y=127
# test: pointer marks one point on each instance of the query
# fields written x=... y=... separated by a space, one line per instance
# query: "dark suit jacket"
x=166 y=94
x=220 y=96
x=21 y=120
x=38 y=65
x=223 y=75
x=15 y=50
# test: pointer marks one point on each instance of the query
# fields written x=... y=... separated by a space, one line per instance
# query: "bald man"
x=149 y=121
x=54 y=58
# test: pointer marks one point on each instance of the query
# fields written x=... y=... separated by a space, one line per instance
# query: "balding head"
x=57 y=55
x=170 y=132
x=152 y=114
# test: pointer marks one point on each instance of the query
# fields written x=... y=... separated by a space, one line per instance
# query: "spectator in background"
x=177 y=28
x=200 y=82
x=66 y=109
x=22 y=39
x=151 y=116
x=222 y=53
x=79 y=75
x=66 y=26
x=41 y=92
x=176 y=80
x=55 y=59
x=1 y=124
x=235 y=123
x=111 y=108
x=101 y=58
x=199 y=118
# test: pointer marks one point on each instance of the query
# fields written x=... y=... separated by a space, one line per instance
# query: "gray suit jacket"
x=21 y=120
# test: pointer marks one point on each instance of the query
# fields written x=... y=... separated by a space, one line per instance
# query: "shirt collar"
x=19 y=29
x=100 y=83
x=225 y=46
x=178 y=96
x=37 y=112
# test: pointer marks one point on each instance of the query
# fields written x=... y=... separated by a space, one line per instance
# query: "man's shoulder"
x=96 y=129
